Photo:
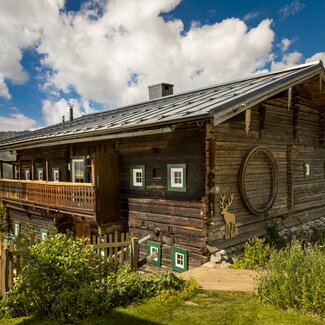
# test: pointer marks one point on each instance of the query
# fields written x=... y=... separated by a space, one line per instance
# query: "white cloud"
x=288 y=61
x=251 y=15
x=16 y=122
x=291 y=9
x=316 y=57
x=4 y=92
x=53 y=111
x=111 y=55
x=285 y=43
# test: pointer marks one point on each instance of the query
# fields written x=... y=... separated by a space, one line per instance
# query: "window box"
x=137 y=177
x=176 y=177
x=152 y=248
x=179 y=259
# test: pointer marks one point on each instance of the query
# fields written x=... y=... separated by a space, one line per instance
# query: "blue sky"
x=100 y=54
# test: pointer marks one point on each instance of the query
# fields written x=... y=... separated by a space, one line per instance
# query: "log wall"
x=293 y=136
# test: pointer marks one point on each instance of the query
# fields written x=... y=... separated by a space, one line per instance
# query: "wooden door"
x=107 y=187
x=82 y=229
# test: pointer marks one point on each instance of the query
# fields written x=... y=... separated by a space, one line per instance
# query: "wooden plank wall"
x=37 y=220
x=178 y=215
x=293 y=136
x=178 y=223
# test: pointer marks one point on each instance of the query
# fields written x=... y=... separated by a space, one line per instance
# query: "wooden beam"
x=289 y=97
x=33 y=171
x=248 y=114
x=47 y=170
x=289 y=178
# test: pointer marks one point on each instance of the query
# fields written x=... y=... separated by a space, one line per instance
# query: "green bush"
x=58 y=264
x=59 y=281
x=3 y=221
x=295 y=278
x=256 y=255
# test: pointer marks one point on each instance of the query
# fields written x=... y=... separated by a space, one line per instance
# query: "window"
x=179 y=259
x=307 y=169
x=176 y=177
x=56 y=174
x=78 y=170
x=44 y=234
x=154 y=247
x=137 y=177
x=40 y=174
x=27 y=174
x=16 y=228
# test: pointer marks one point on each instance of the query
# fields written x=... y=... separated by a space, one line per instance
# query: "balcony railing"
x=59 y=195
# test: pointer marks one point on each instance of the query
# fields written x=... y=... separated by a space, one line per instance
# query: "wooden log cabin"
x=198 y=171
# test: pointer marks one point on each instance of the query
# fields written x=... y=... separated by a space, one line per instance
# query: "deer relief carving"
x=228 y=217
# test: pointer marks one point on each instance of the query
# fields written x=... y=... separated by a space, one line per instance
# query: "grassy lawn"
x=209 y=307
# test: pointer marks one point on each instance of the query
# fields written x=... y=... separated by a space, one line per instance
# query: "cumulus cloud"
x=291 y=9
x=285 y=43
x=53 y=111
x=316 y=57
x=16 y=122
x=288 y=61
x=110 y=55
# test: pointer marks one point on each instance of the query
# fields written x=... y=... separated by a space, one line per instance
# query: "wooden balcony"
x=60 y=196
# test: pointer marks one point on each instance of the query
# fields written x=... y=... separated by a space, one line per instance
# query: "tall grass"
x=295 y=278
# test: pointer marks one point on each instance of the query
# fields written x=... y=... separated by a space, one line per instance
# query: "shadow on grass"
x=113 y=318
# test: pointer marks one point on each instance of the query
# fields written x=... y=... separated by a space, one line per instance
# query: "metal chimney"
x=71 y=112
x=160 y=90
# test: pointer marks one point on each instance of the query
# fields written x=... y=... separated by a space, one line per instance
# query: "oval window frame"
x=242 y=179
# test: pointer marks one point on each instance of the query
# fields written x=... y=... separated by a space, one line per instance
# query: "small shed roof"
x=219 y=102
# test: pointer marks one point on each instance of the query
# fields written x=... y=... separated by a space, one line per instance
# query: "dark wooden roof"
x=220 y=102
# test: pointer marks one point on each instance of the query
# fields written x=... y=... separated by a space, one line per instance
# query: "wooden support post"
x=33 y=171
x=93 y=171
x=4 y=269
x=134 y=253
x=1 y=169
x=289 y=97
x=14 y=173
x=248 y=114
x=47 y=170
x=19 y=170
x=289 y=178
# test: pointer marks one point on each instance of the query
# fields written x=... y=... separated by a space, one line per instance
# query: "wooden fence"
x=118 y=247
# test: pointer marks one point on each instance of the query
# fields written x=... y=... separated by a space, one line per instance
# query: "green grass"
x=212 y=308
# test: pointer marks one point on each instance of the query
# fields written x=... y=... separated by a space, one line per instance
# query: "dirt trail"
x=223 y=278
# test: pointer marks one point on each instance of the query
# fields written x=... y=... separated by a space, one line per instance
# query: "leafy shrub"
x=295 y=278
x=58 y=264
x=59 y=282
x=3 y=221
x=256 y=255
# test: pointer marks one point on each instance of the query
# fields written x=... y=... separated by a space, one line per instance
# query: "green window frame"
x=138 y=177
x=176 y=175
x=78 y=175
x=27 y=174
x=44 y=234
x=179 y=259
x=40 y=174
x=154 y=247
x=56 y=174
x=307 y=169
x=17 y=228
